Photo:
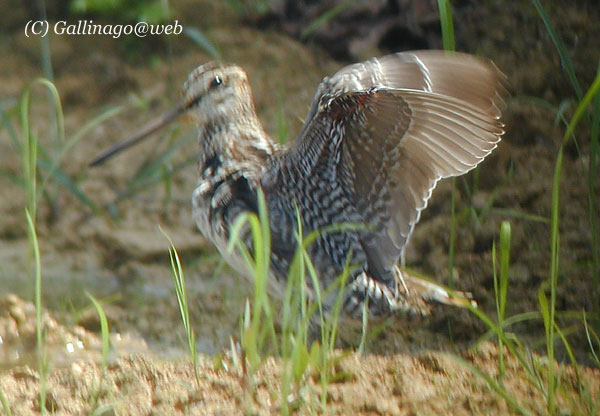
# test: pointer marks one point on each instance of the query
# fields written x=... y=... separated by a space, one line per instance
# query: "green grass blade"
x=496 y=280
x=499 y=310
x=81 y=133
x=530 y=316
x=570 y=354
x=548 y=317
x=182 y=301
x=494 y=385
x=592 y=204
x=29 y=158
x=6 y=124
x=582 y=108
x=560 y=47
x=453 y=228
x=340 y=285
x=262 y=324
x=282 y=121
x=588 y=333
x=65 y=180
x=505 y=236
x=104 y=330
x=150 y=171
x=151 y=168
x=30 y=144
x=200 y=39
x=40 y=338
x=324 y=18
x=4 y=402
x=500 y=334
x=501 y=285
x=151 y=180
x=38 y=278
x=25 y=106
x=447 y=25
x=521 y=317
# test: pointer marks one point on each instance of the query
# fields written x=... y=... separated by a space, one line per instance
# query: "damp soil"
x=118 y=254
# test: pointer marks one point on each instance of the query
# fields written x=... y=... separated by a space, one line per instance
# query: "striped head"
x=216 y=92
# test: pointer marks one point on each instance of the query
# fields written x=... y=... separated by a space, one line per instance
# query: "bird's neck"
x=237 y=145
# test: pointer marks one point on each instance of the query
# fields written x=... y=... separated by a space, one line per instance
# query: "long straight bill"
x=143 y=133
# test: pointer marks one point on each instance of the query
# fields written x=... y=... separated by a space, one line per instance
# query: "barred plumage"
x=378 y=137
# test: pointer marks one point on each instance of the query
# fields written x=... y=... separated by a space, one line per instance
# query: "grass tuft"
x=592 y=116
x=501 y=285
x=301 y=350
x=104 y=330
x=543 y=374
x=29 y=162
x=549 y=309
x=182 y=301
x=105 y=336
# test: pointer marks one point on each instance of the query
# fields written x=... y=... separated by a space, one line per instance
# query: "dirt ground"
x=119 y=255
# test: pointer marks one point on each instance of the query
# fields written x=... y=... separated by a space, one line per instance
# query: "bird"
x=376 y=140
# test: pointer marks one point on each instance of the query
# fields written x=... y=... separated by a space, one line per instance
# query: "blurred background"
x=98 y=228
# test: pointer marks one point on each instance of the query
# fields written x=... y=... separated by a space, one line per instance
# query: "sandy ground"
x=119 y=255
x=427 y=382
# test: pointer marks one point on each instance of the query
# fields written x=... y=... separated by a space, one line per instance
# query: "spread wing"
x=390 y=128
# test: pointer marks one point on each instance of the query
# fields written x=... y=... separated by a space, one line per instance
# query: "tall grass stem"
x=182 y=301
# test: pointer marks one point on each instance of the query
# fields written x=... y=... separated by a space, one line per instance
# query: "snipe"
x=378 y=137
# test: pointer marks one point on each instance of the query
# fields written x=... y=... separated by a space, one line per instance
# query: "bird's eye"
x=217 y=80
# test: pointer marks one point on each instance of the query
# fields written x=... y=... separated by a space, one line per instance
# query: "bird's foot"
x=420 y=288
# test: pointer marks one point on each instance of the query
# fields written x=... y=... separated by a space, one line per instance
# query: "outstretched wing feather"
x=406 y=121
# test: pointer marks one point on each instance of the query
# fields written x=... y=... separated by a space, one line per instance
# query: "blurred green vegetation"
x=126 y=11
